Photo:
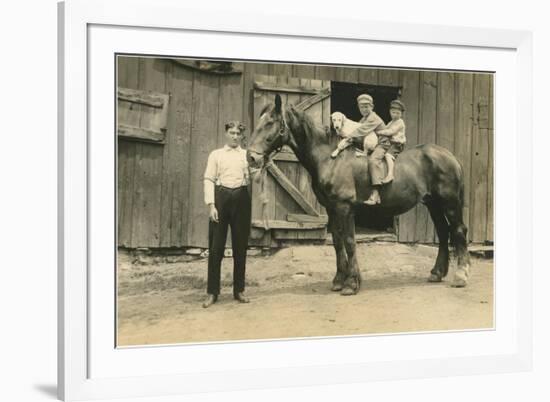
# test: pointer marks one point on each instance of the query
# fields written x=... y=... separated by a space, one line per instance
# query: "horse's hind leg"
x=441 y=266
x=336 y=229
x=459 y=238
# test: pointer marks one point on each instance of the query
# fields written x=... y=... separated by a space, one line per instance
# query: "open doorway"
x=344 y=99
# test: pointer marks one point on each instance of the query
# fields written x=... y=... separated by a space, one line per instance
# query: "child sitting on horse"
x=370 y=123
x=395 y=129
x=391 y=142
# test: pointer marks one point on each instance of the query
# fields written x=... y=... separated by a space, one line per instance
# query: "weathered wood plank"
x=427 y=130
x=131 y=77
x=148 y=175
x=325 y=72
x=464 y=92
x=148 y=98
x=314 y=99
x=176 y=180
x=206 y=66
x=388 y=77
x=368 y=76
x=410 y=81
x=128 y=72
x=140 y=134
x=125 y=186
x=446 y=110
x=283 y=87
x=304 y=71
x=279 y=69
x=290 y=234
x=291 y=189
x=347 y=74
x=480 y=159
x=281 y=224
x=307 y=218
x=490 y=165
x=203 y=141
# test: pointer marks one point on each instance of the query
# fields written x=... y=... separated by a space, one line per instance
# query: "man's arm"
x=210 y=176
x=372 y=124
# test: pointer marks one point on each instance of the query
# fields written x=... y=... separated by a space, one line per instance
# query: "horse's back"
x=432 y=167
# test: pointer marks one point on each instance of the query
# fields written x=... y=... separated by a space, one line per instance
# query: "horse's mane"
x=314 y=131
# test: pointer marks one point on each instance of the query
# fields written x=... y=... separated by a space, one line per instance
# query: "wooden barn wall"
x=160 y=196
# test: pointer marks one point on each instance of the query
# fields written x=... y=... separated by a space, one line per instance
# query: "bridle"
x=284 y=133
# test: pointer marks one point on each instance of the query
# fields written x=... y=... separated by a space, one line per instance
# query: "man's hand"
x=213 y=213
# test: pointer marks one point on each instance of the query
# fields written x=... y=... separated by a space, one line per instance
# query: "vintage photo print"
x=265 y=200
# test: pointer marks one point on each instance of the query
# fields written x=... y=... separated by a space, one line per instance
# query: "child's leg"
x=390 y=161
x=341 y=146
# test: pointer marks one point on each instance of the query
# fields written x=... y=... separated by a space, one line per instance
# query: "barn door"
x=292 y=211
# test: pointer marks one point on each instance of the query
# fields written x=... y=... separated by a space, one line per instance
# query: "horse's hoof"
x=461 y=277
x=434 y=278
x=458 y=283
x=348 y=292
x=336 y=287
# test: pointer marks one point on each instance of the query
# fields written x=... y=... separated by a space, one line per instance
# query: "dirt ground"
x=160 y=299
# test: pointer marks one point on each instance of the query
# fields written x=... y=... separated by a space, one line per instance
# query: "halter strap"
x=283 y=132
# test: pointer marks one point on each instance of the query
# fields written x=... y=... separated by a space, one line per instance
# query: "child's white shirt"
x=395 y=129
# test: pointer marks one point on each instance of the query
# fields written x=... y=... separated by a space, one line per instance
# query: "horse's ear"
x=278 y=103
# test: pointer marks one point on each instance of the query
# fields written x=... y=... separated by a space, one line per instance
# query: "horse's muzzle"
x=255 y=159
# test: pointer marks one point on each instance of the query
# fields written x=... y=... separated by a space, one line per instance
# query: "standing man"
x=226 y=194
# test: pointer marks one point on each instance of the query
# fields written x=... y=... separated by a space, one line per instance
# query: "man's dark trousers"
x=234 y=209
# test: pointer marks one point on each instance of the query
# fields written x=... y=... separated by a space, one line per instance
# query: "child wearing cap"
x=395 y=130
x=370 y=124
x=391 y=140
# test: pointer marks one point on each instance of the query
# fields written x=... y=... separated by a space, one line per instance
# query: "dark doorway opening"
x=344 y=99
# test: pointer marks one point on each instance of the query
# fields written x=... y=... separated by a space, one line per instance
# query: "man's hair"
x=233 y=124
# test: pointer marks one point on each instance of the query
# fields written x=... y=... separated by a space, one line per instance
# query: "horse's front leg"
x=352 y=283
x=336 y=229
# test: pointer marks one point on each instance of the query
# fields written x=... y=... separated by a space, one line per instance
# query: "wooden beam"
x=205 y=66
x=278 y=224
x=145 y=98
x=140 y=134
x=312 y=100
x=301 y=218
x=282 y=87
x=294 y=235
x=291 y=189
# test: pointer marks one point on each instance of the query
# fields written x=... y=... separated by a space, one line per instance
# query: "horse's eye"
x=269 y=139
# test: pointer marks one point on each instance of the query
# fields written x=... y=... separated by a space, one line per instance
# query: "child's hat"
x=365 y=98
x=397 y=104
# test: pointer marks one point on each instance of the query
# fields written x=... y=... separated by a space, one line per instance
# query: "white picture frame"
x=78 y=378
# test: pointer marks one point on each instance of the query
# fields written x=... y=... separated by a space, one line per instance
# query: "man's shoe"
x=242 y=298
x=211 y=299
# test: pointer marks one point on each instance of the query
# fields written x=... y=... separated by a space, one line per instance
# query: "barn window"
x=142 y=115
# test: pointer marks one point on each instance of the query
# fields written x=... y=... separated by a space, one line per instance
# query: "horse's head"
x=270 y=134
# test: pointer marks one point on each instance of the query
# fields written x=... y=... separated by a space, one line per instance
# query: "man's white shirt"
x=226 y=167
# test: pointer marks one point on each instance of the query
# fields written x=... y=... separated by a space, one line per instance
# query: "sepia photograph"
x=271 y=200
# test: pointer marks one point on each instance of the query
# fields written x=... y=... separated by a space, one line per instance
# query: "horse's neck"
x=312 y=151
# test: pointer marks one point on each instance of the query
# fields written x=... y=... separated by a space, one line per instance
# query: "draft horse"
x=428 y=174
